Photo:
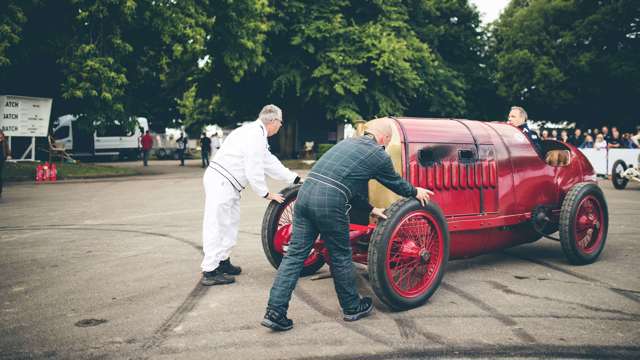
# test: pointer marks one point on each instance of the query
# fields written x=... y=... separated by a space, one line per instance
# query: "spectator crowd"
x=594 y=138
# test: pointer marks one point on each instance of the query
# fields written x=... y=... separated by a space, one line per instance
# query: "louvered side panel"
x=446 y=175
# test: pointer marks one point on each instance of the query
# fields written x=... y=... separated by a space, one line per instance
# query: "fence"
x=602 y=160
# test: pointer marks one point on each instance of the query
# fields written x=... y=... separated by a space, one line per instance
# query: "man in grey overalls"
x=322 y=206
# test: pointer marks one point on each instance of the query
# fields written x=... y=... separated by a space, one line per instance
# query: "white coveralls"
x=243 y=159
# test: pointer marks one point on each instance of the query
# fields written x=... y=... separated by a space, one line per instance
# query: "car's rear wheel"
x=584 y=223
x=618 y=181
x=277 y=226
x=408 y=254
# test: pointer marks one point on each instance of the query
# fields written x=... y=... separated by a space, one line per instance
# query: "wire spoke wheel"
x=588 y=228
x=414 y=254
x=408 y=254
x=584 y=223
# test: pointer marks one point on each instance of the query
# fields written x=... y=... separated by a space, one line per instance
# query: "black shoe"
x=276 y=320
x=228 y=268
x=364 y=308
x=216 y=277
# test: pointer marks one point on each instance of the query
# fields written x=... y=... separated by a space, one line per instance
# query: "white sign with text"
x=24 y=116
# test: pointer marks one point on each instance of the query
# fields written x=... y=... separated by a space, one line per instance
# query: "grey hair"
x=270 y=113
x=522 y=112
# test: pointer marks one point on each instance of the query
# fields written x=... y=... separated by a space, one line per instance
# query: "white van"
x=113 y=140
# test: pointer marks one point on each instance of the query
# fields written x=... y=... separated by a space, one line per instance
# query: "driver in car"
x=322 y=207
x=518 y=118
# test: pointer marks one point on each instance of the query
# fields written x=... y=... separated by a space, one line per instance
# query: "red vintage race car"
x=492 y=191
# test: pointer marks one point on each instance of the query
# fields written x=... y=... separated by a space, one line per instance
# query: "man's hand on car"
x=275 y=197
x=423 y=195
x=378 y=212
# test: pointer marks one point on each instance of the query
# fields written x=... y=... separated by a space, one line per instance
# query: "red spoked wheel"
x=277 y=226
x=584 y=222
x=408 y=254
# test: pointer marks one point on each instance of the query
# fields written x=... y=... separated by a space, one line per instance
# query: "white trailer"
x=113 y=140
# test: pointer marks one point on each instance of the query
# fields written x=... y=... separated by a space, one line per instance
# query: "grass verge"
x=26 y=171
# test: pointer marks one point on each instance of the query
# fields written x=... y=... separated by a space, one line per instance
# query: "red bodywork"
x=487 y=199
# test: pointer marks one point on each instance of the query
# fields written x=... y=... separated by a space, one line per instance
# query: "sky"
x=489 y=9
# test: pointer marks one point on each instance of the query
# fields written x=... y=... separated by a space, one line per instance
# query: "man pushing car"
x=336 y=182
x=243 y=160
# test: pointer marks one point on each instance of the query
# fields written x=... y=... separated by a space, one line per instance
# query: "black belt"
x=221 y=170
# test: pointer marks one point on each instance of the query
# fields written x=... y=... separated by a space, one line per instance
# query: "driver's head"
x=517 y=116
x=381 y=129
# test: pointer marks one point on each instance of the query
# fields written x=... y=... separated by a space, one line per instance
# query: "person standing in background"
x=587 y=143
x=5 y=153
x=147 y=144
x=614 y=141
x=205 y=149
x=635 y=139
x=605 y=134
x=545 y=134
x=626 y=142
x=215 y=144
x=600 y=143
x=181 y=144
x=577 y=138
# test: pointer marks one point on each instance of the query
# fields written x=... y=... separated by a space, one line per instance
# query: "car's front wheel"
x=408 y=254
x=584 y=223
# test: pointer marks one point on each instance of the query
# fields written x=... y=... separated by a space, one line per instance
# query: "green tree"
x=570 y=59
x=33 y=67
x=168 y=39
x=234 y=51
x=11 y=20
x=96 y=79
x=342 y=60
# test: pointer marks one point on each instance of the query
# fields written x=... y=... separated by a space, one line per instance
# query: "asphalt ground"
x=110 y=269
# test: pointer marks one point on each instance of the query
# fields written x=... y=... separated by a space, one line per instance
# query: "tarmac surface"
x=110 y=269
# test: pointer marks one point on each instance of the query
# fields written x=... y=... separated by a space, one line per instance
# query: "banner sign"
x=597 y=158
x=24 y=116
x=602 y=159
x=630 y=157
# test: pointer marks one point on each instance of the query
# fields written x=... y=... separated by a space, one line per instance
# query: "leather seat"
x=558 y=157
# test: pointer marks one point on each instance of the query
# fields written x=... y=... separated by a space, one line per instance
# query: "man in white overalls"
x=243 y=159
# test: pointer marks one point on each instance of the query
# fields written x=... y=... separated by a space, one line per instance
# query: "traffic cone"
x=46 y=172
x=54 y=173
x=39 y=173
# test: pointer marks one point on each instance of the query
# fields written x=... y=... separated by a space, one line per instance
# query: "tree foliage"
x=359 y=59
x=194 y=62
x=11 y=20
x=570 y=59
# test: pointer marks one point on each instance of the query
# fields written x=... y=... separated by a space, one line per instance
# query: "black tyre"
x=276 y=231
x=584 y=223
x=408 y=254
x=616 y=175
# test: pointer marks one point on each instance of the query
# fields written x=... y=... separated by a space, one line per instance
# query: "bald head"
x=381 y=129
